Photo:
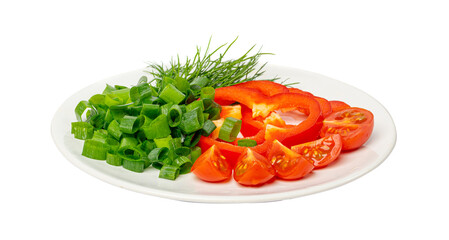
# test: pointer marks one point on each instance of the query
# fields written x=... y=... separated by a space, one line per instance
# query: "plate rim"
x=266 y=197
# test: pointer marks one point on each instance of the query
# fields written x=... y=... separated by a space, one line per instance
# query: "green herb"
x=209 y=70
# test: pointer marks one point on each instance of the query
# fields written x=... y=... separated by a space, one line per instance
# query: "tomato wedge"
x=288 y=164
x=354 y=125
x=253 y=169
x=338 y=105
x=322 y=151
x=212 y=166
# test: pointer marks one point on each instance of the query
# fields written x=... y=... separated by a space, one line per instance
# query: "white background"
x=396 y=51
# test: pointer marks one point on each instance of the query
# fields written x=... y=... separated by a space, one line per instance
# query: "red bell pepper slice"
x=326 y=108
x=262 y=105
x=268 y=88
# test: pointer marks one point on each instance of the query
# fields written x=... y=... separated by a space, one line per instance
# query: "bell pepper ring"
x=263 y=105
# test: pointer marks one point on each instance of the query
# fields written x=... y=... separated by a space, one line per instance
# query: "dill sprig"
x=220 y=72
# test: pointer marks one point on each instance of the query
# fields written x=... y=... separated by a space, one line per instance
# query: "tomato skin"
x=354 y=125
x=253 y=169
x=338 y=105
x=229 y=150
x=322 y=151
x=288 y=164
x=212 y=166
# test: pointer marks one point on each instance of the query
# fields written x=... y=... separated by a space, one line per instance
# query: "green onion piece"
x=246 y=143
x=190 y=97
x=135 y=166
x=95 y=149
x=206 y=116
x=97 y=99
x=183 y=151
x=122 y=93
x=169 y=172
x=163 y=142
x=199 y=82
x=131 y=124
x=171 y=94
x=174 y=116
x=108 y=117
x=212 y=108
x=153 y=100
x=130 y=151
x=82 y=108
x=143 y=79
x=165 y=108
x=113 y=159
x=207 y=92
x=192 y=140
x=108 y=89
x=183 y=163
x=114 y=130
x=195 y=104
x=151 y=110
x=159 y=165
x=112 y=144
x=120 y=87
x=135 y=110
x=177 y=133
x=117 y=114
x=141 y=91
x=147 y=146
x=158 y=155
x=100 y=135
x=179 y=82
x=158 y=128
x=177 y=142
x=195 y=154
x=208 y=128
x=230 y=129
x=82 y=130
x=192 y=121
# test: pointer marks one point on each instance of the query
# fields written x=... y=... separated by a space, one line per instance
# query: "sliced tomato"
x=253 y=169
x=234 y=111
x=288 y=164
x=354 y=125
x=230 y=150
x=322 y=151
x=338 y=105
x=212 y=166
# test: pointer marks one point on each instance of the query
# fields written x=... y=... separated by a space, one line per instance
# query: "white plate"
x=348 y=167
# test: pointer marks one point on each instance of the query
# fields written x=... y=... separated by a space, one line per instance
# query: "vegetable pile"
x=189 y=118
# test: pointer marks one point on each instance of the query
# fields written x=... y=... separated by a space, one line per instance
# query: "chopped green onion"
x=207 y=92
x=163 y=142
x=192 y=139
x=139 y=92
x=246 y=143
x=192 y=121
x=134 y=110
x=208 y=128
x=114 y=130
x=135 y=166
x=158 y=128
x=158 y=155
x=174 y=116
x=171 y=94
x=147 y=146
x=195 y=104
x=82 y=130
x=131 y=124
x=95 y=149
x=82 y=108
x=183 y=151
x=114 y=159
x=108 y=89
x=195 y=154
x=165 y=108
x=183 y=163
x=151 y=110
x=97 y=99
x=230 y=129
x=199 y=82
x=169 y=172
